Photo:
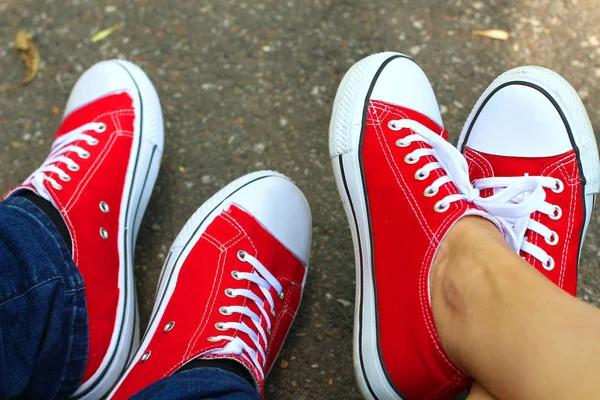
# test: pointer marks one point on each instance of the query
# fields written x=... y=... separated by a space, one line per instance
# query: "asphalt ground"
x=248 y=85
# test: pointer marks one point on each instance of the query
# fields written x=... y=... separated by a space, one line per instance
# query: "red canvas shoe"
x=531 y=125
x=403 y=187
x=231 y=284
x=99 y=175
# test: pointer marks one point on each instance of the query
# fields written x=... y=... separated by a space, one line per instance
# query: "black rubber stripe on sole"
x=360 y=159
x=125 y=291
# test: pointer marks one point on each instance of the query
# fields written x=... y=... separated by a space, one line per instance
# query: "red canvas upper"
x=569 y=227
x=200 y=292
x=101 y=178
x=406 y=233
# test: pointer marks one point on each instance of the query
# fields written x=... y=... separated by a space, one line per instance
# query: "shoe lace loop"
x=265 y=281
x=448 y=158
x=514 y=200
x=60 y=147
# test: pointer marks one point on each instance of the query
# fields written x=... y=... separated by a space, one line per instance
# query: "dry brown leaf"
x=22 y=40
x=104 y=34
x=497 y=34
x=283 y=364
x=29 y=54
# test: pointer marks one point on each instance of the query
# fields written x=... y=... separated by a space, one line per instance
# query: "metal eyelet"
x=145 y=356
x=229 y=293
x=73 y=167
x=236 y=275
x=410 y=159
x=219 y=326
x=85 y=155
x=101 y=127
x=430 y=192
x=224 y=311
x=402 y=143
x=549 y=265
x=56 y=186
x=555 y=216
x=169 y=326
x=421 y=175
x=392 y=125
x=65 y=178
x=103 y=233
x=93 y=142
x=242 y=255
x=104 y=207
x=281 y=296
x=273 y=312
x=441 y=207
x=553 y=240
x=559 y=186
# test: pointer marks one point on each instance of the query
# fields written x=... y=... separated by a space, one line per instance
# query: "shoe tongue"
x=504 y=166
x=234 y=348
x=263 y=323
x=92 y=111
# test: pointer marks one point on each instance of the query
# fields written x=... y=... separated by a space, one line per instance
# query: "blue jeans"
x=43 y=319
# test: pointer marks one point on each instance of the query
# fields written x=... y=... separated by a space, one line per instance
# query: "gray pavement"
x=249 y=85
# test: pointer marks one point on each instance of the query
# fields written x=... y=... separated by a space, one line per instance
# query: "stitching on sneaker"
x=402 y=185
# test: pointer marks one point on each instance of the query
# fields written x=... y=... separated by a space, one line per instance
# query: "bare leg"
x=506 y=325
x=479 y=393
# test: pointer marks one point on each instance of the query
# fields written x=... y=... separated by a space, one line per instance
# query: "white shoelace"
x=57 y=156
x=512 y=206
x=522 y=222
x=265 y=281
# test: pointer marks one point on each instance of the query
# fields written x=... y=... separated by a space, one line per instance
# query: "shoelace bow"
x=61 y=146
x=512 y=203
x=522 y=222
x=265 y=281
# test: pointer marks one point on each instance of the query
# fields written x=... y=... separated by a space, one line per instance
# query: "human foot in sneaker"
x=530 y=122
x=403 y=187
x=231 y=284
x=99 y=176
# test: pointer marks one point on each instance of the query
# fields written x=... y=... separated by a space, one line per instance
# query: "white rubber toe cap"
x=403 y=82
x=282 y=209
x=100 y=80
x=520 y=121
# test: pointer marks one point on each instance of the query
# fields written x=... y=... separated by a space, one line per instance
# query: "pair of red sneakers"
x=233 y=279
x=527 y=160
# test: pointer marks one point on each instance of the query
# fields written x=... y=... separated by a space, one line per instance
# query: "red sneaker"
x=403 y=187
x=99 y=175
x=231 y=284
x=531 y=122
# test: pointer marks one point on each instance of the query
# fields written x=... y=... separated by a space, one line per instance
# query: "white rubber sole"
x=181 y=248
x=345 y=132
x=141 y=176
x=566 y=99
